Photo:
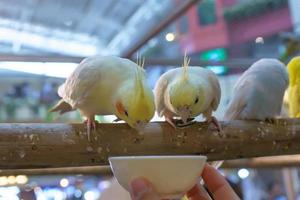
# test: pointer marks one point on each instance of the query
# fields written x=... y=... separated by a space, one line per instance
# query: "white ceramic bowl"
x=171 y=176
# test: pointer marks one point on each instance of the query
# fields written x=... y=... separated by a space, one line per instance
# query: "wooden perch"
x=264 y=162
x=261 y=162
x=93 y=170
x=61 y=145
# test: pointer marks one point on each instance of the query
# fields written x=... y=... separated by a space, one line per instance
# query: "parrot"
x=294 y=87
x=187 y=92
x=108 y=85
x=258 y=93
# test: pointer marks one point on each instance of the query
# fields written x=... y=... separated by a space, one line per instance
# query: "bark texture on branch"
x=65 y=145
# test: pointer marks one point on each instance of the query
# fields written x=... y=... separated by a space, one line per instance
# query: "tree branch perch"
x=25 y=146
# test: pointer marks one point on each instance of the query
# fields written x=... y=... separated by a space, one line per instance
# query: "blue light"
x=77 y=193
x=219 y=70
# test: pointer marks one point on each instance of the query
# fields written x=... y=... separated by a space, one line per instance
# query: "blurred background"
x=42 y=41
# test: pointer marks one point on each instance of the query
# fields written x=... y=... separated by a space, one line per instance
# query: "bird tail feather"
x=62 y=107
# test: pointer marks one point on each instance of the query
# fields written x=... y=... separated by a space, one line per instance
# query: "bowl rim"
x=152 y=157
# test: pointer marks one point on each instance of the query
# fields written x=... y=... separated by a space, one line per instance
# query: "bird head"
x=294 y=70
x=135 y=104
x=186 y=96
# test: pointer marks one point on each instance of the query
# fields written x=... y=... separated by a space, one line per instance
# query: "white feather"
x=258 y=94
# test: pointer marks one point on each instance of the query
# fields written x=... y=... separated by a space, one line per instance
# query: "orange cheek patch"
x=120 y=107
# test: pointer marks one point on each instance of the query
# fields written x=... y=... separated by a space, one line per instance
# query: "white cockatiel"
x=187 y=92
x=108 y=85
x=258 y=94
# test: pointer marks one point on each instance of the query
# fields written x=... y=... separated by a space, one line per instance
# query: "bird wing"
x=216 y=90
x=238 y=103
x=61 y=90
x=77 y=86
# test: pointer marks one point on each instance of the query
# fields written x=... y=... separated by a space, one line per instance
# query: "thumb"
x=141 y=189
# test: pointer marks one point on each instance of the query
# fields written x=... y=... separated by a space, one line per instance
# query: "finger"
x=217 y=184
x=141 y=189
x=198 y=193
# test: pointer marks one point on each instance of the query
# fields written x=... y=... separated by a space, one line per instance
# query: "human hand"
x=216 y=184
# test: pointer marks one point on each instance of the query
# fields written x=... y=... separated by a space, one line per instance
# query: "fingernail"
x=139 y=186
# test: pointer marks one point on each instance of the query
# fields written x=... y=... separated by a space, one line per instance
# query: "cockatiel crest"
x=185 y=66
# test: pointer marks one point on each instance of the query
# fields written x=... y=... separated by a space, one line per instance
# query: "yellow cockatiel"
x=108 y=85
x=294 y=87
x=187 y=92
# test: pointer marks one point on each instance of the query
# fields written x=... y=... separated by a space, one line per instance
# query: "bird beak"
x=185 y=114
x=140 y=126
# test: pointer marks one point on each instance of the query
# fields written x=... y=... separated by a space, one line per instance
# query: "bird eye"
x=196 y=100
x=126 y=113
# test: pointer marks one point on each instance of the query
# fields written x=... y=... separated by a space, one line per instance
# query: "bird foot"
x=215 y=122
x=272 y=120
x=171 y=122
x=181 y=124
x=178 y=123
x=117 y=120
x=91 y=124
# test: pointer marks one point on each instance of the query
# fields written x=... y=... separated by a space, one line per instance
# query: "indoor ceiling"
x=77 y=27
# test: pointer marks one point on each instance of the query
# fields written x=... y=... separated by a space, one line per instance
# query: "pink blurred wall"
x=223 y=34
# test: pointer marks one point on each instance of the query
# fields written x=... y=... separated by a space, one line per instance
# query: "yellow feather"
x=294 y=70
x=139 y=76
x=294 y=87
x=186 y=62
x=142 y=105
